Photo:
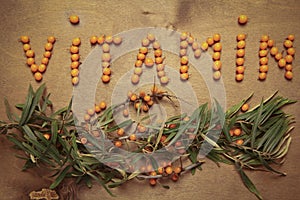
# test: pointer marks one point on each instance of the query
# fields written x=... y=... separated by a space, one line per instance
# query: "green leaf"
x=8 y=110
x=100 y=182
x=27 y=130
x=247 y=182
x=27 y=106
x=266 y=165
x=60 y=177
x=256 y=123
x=54 y=131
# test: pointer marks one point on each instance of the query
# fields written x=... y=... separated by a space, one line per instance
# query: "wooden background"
x=39 y=19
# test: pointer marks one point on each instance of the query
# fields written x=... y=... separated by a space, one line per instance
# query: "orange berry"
x=291 y=51
x=244 y=108
x=143 y=50
x=263 y=61
x=184 y=69
x=204 y=46
x=133 y=97
x=75 y=64
x=271 y=43
x=118 y=143
x=132 y=137
x=177 y=170
x=147 y=98
x=217 y=37
x=101 y=39
x=264 y=68
x=240 y=53
x=263 y=45
x=240 y=69
x=106 y=71
x=242 y=19
x=288 y=67
x=47 y=54
x=241 y=44
x=149 y=62
x=138 y=71
x=152 y=181
x=231 y=132
x=26 y=47
x=264 y=38
x=183 y=36
x=102 y=105
x=145 y=108
x=83 y=140
x=241 y=36
x=42 y=68
x=120 y=132
x=262 y=76
x=240 y=61
x=29 y=53
x=75 y=80
x=239 y=77
x=141 y=128
x=291 y=37
x=216 y=55
x=145 y=42
x=24 y=39
x=75 y=57
x=274 y=51
x=239 y=141
x=289 y=59
x=76 y=41
x=217 y=75
x=117 y=40
x=217 y=46
x=138 y=63
x=30 y=61
x=34 y=68
x=97 y=109
x=74 y=72
x=135 y=79
x=158 y=60
x=210 y=41
x=74 y=19
x=217 y=65
x=105 y=78
x=288 y=43
x=263 y=53
x=197 y=53
x=125 y=113
x=105 y=48
x=184 y=44
x=160 y=67
x=48 y=46
x=238 y=131
x=164 y=80
x=288 y=75
x=158 y=53
x=109 y=39
x=184 y=60
x=38 y=76
x=184 y=76
x=74 y=49
x=195 y=46
x=91 y=111
x=93 y=40
x=174 y=177
x=160 y=170
x=47 y=136
x=282 y=62
x=106 y=57
x=87 y=117
x=169 y=170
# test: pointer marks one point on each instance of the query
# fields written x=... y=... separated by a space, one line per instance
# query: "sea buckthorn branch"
x=250 y=139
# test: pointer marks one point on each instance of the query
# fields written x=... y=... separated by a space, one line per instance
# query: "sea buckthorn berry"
x=125 y=113
x=271 y=43
x=105 y=64
x=289 y=59
x=263 y=53
x=240 y=69
x=132 y=137
x=158 y=53
x=210 y=41
x=75 y=64
x=197 y=53
x=135 y=79
x=161 y=74
x=184 y=69
x=288 y=43
x=278 y=56
x=97 y=109
x=262 y=76
x=169 y=170
x=34 y=68
x=195 y=46
x=216 y=55
x=184 y=60
x=291 y=51
x=120 y=131
x=184 y=35
x=216 y=37
x=47 y=136
x=142 y=94
x=184 y=76
x=244 y=108
x=83 y=140
x=105 y=48
x=51 y=39
x=160 y=67
x=240 y=53
x=30 y=61
x=190 y=40
x=204 y=46
x=174 y=177
x=74 y=49
x=138 y=71
x=150 y=103
x=87 y=117
x=38 y=76
x=26 y=47
x=106 y=71
x=242 y=19
x=102 y=105
x=264 y=68
x=152 y=181
x=151 y=37
x=141 y=128
x=143 y=50
x=274 y=51
x=24 y=39
x=93 y=40
x=177 y=170
x=241 y=44
x=149 y=62
x=239 y=141
x=141 y=56
x=231 y=132
x=159 y=60
x=29 y=53
x=101 y=39
x=47 y=54
x=117 y=40
x=138 y=63
x=291 y=37
x=147 y=98
x=105 y=57
x=156 y=45
x=75 y=57
x=217 y=46
x=91 y=111
x=184 y=44
x=145 y=42
x=76 y=41
x=288 y=75
x=145 y=108
x=241 y=36
x=282 y=62
x=133 y=97
x=217 y=65
x=42 y=68
x=239 y=77
x=105 y=78
x=288 y=67
x=164 y=80
x=74 y=19
x=109 y=39
x=48 y=46
x=263 y=60
x=118 y=143
x=75 y=80
x=240 y=61
x=264 y=38
x=217 y=75
x=237 y=131
x=263 y=45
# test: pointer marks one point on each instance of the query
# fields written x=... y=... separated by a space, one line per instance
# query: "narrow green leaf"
x=266 y=165
x=60 y=177
x=101 y=183
x=8 y=110
x=27 y=130
x=54 y=131
x=256 y=123
x=27 y=106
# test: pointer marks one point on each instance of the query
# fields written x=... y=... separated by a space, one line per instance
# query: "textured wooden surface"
x=39 y=19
